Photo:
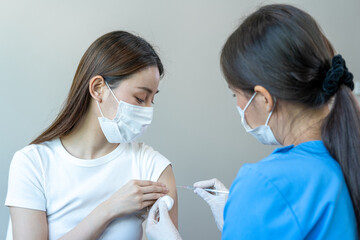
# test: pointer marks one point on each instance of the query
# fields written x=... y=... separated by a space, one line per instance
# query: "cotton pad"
x=168 y=200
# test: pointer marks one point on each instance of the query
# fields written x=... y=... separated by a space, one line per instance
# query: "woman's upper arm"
x=167 y=177
x=28 y=224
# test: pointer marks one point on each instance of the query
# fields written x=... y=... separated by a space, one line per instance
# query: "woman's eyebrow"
x=148 y=90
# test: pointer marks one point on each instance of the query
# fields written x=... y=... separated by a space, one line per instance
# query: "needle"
x=206 y=189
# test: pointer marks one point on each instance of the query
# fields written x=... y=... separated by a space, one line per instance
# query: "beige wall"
x=196 y=124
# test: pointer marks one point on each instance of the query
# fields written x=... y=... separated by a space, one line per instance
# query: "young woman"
x=85 y=177
x=285 y=75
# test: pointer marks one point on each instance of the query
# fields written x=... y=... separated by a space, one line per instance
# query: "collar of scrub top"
x=315 y=145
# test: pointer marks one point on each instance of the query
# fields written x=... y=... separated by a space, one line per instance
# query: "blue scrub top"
x=295 y=193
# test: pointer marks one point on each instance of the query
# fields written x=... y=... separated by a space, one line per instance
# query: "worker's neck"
x=302 y=124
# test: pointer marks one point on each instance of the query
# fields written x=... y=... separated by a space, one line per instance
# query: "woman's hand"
x=133 y=196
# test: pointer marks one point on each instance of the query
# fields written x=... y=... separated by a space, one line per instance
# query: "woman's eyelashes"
x=139 y=100
x=234 y=95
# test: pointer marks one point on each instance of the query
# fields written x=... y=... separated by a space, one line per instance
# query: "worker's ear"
x=264 y=97
x=96 y=88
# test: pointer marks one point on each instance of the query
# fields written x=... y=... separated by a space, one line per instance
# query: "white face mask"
x=129 y=123
x=262 y=133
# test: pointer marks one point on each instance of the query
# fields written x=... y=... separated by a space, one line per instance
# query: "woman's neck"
x=86 y=140
x=300 y=124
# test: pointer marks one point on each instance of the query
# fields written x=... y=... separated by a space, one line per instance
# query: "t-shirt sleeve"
x=26 y=183
x=151 y=163
x=256 y=209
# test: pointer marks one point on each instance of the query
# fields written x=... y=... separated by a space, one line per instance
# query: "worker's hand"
x=215 y=201
x=159 y=225
x=134 y=196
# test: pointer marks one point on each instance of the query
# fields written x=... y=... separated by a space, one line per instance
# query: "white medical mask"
x=129 y=123
x=262 y=133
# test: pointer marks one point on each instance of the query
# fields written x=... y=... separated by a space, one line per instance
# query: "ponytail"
x=341 y=136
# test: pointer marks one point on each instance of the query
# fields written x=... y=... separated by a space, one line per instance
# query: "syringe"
x=206 y=189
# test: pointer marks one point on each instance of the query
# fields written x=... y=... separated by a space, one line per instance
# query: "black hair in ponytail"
x=341 y=136
x=341 y=128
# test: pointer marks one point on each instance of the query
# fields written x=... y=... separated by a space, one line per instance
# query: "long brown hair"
x=282 y=48
x=114 y=56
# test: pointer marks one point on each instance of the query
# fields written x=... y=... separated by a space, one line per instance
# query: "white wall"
x=196 y=124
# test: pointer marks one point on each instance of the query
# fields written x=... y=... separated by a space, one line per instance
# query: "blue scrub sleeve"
x=257 y=210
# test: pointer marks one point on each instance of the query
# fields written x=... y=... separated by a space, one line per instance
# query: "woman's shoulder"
x=143 y=150
x=39 y=146
x=33 y=153
x=139 y=146
x=150 y=162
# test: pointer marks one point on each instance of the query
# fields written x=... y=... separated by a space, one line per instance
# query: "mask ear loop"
x=99 y=108
x=247 y=105
x=112 y=92
x=98 y=102
x=268 y=119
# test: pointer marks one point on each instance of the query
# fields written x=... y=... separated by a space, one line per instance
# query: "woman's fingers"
x=148 y=192
x=148 y=203
x=154 y=189
x=152 y=196
x=144 y=183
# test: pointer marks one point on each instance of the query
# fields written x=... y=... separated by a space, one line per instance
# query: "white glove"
x=162 y=229
x=215 y=201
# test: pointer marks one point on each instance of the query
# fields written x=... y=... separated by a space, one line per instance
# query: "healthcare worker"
x=86 y=177
x=285 y=75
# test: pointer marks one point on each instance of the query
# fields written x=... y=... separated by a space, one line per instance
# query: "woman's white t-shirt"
x=46 y=177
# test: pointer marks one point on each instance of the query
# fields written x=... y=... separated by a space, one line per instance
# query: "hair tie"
x=338 y=74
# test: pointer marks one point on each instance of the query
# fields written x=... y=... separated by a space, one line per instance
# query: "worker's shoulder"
x=312 y=157
x=306 y=162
